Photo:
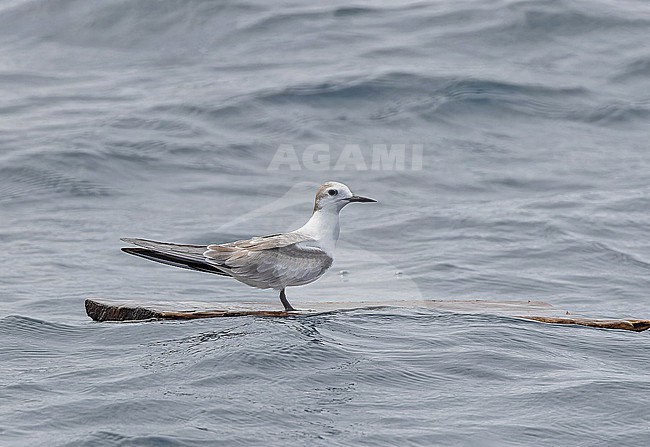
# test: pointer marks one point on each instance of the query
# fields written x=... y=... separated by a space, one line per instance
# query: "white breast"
x=324 y=228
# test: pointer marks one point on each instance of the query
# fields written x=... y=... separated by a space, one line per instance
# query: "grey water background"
x=160 y=119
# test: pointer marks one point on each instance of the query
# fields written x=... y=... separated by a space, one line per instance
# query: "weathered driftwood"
x=628 y=324
x=103 y=310
x=125 y=311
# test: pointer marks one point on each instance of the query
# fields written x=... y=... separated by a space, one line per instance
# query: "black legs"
x=285 y=303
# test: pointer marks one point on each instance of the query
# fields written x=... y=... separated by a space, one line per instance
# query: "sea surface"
x=507 y=143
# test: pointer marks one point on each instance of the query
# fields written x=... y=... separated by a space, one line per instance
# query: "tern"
x=276 y=261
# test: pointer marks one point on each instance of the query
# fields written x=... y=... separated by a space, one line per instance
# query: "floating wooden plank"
x=628 y=324
x=129 y=311
x=103 y=310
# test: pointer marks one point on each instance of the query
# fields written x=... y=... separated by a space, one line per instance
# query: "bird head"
x=334 y=196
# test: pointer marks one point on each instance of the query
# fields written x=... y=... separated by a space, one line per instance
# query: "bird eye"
x=332 y=192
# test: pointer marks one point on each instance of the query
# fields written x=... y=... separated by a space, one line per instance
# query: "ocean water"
x=201 y=122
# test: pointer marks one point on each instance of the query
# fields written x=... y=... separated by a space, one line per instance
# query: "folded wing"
x=179 y=255
x=276 y=261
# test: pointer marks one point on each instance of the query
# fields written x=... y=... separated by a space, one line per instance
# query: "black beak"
x=360 y=199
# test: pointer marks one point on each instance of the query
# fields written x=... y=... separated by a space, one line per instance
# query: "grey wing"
x=275 y=266
x=179 y=255
x=167 y=247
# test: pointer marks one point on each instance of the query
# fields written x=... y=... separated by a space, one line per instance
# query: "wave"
x=427 y=91
x=23 y=327
x=144 y=25
x=29 y=183
x=401 y=94
x=637 y=69
x=158 y=23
